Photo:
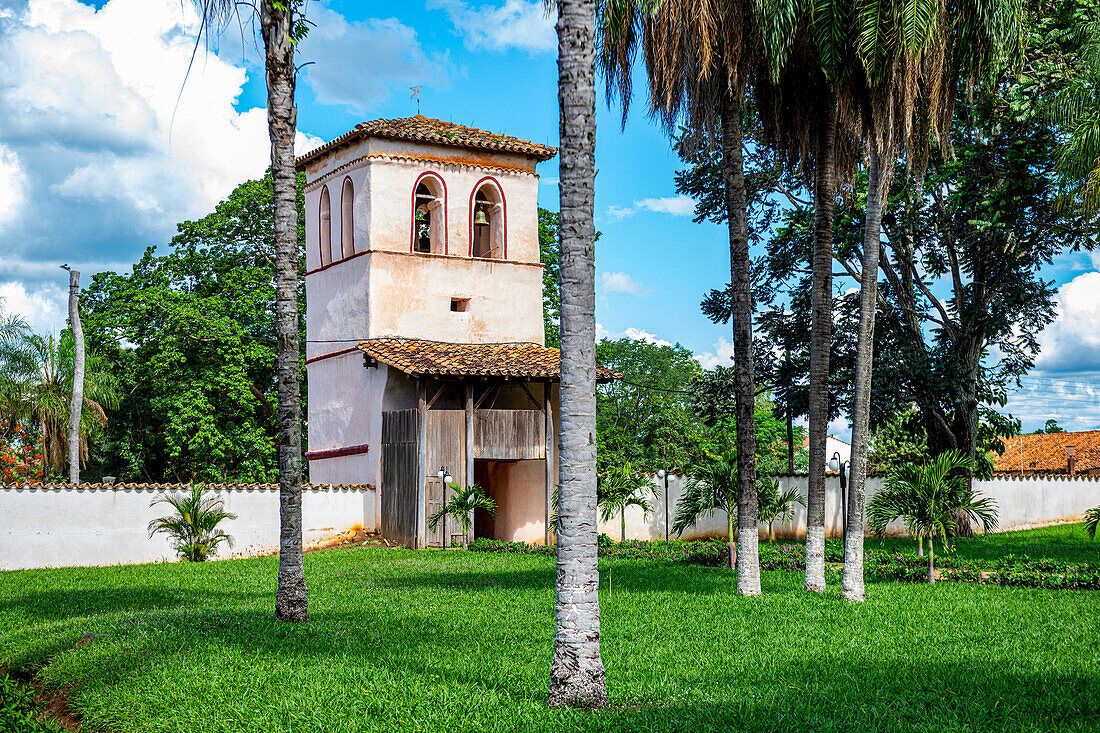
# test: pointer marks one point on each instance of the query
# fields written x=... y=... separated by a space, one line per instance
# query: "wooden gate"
x=446 y=448
x=399 y=489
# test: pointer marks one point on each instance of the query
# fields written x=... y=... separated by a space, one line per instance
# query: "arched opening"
x=325 y=221
x=429 y=209
x=347 y=219
x=487 y=212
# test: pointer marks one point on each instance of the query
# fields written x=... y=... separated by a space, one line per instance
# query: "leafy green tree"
x=776 y=505
x=191 y=336
x=928 y=499
x=1092 y=519
x=193 y=526
x=711 y=486
x=550 y=256
x=1051 y=426
x=898 y=441
x=461 y=508
x=39 y=381
x=646 y=418
x=621 y=487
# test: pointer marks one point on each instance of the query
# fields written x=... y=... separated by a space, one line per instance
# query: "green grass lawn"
x=1061 y=542
x=431 y=641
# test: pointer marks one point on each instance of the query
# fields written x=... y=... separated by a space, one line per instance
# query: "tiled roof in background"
x=125 y=486
x=428 y=130
x=525 y=360
x=1049 y=453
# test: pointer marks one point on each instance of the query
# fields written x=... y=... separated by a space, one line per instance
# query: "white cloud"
x=44 y=308
x=356 y=64
x=721 y=354
x=673 y=205
x=637 y=334
x=12 y=181
x=1072 y=341
x=620 y=282
x=522 y=24
x=108 y=146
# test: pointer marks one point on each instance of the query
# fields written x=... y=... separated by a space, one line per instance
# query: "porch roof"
x=524 y=360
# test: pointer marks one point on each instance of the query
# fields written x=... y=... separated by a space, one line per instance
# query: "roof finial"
x=416 y=95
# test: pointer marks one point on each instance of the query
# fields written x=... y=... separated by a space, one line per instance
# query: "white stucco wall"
x=1022 y=502
x=106 y=526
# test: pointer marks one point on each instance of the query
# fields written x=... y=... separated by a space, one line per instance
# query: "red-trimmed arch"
x=504 y=212
x=324 y=229
x=345 y=187
x=412 y=212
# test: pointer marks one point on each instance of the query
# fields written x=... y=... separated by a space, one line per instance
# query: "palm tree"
x=282 y=26
x=193 y=528
x=711 y=486
x=1092 y=519
x=37 y=385
x=577 y=674
x=461 y=507
x=928 y=498
x=622 y=487
x=699 y=57
x=776 y=505
x=911 y=57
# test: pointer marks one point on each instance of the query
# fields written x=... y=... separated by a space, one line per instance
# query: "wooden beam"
x=549 y=412
x=536 y=403
x=438 y=392
x=485 y=394
x=421 y=463
x=468 y=449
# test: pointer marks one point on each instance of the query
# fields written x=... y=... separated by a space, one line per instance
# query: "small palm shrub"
x=711 y=486
x=621 y=487
x=461 y=508
x=775 y=505
x=928 y=499
x=193 y=526
x=1092 y=518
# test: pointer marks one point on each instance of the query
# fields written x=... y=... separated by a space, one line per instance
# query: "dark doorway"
x=483 y=521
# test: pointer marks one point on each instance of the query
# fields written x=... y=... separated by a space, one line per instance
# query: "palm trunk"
x=77 y=402
x=276 y=22
x=851 y=583
x=920 y=545
x=790 y=430
x=576 y=670
x=622 y=521
x=820 y=336
x=733 y=174
x=931 y=561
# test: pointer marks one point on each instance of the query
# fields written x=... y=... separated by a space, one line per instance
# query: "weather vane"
x=416 y=95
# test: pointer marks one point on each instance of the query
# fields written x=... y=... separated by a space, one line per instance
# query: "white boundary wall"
x=57 y=527
x=1022 y=502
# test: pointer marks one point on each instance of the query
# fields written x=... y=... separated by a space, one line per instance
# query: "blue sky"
x=98 y=161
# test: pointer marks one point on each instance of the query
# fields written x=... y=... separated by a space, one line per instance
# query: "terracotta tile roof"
x=425 y=129
x=414 y=356
x=1047 y=453
x=124 y=486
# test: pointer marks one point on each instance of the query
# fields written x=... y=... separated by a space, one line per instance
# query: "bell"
x=480 y=219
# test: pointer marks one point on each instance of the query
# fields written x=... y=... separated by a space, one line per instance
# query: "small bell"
x=480 y=219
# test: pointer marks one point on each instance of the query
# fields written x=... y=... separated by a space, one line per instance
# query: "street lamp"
x=836 y=464
x=1071 y=465
x=663 y=475
x=447 y=480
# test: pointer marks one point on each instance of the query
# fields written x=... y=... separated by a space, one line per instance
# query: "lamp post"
x=1071 y=465
x=836 y=464
x=447 y=479
x=663 y=475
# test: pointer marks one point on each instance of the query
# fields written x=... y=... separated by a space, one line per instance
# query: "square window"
x=460 y=305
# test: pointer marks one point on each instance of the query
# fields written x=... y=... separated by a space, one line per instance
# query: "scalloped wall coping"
x=127 y=486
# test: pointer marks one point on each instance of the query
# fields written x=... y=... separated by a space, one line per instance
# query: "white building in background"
x=833 y=445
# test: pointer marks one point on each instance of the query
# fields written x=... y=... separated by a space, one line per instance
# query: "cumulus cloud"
x=356 y=64
x=721 y=354
x=12 y=181
x=620 y=282
x=638 y=334
x=673 y=205
x=1072 y=341
x=105 y=145
x=522 y=24
x=43 y=308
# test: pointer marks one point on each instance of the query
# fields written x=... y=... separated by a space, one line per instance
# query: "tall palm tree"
x=38 y=382
x=576 y=670
x=911 y=59
x=699 y=55
x=282 y=25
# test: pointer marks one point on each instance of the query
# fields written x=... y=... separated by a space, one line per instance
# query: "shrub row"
x=878 y=565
